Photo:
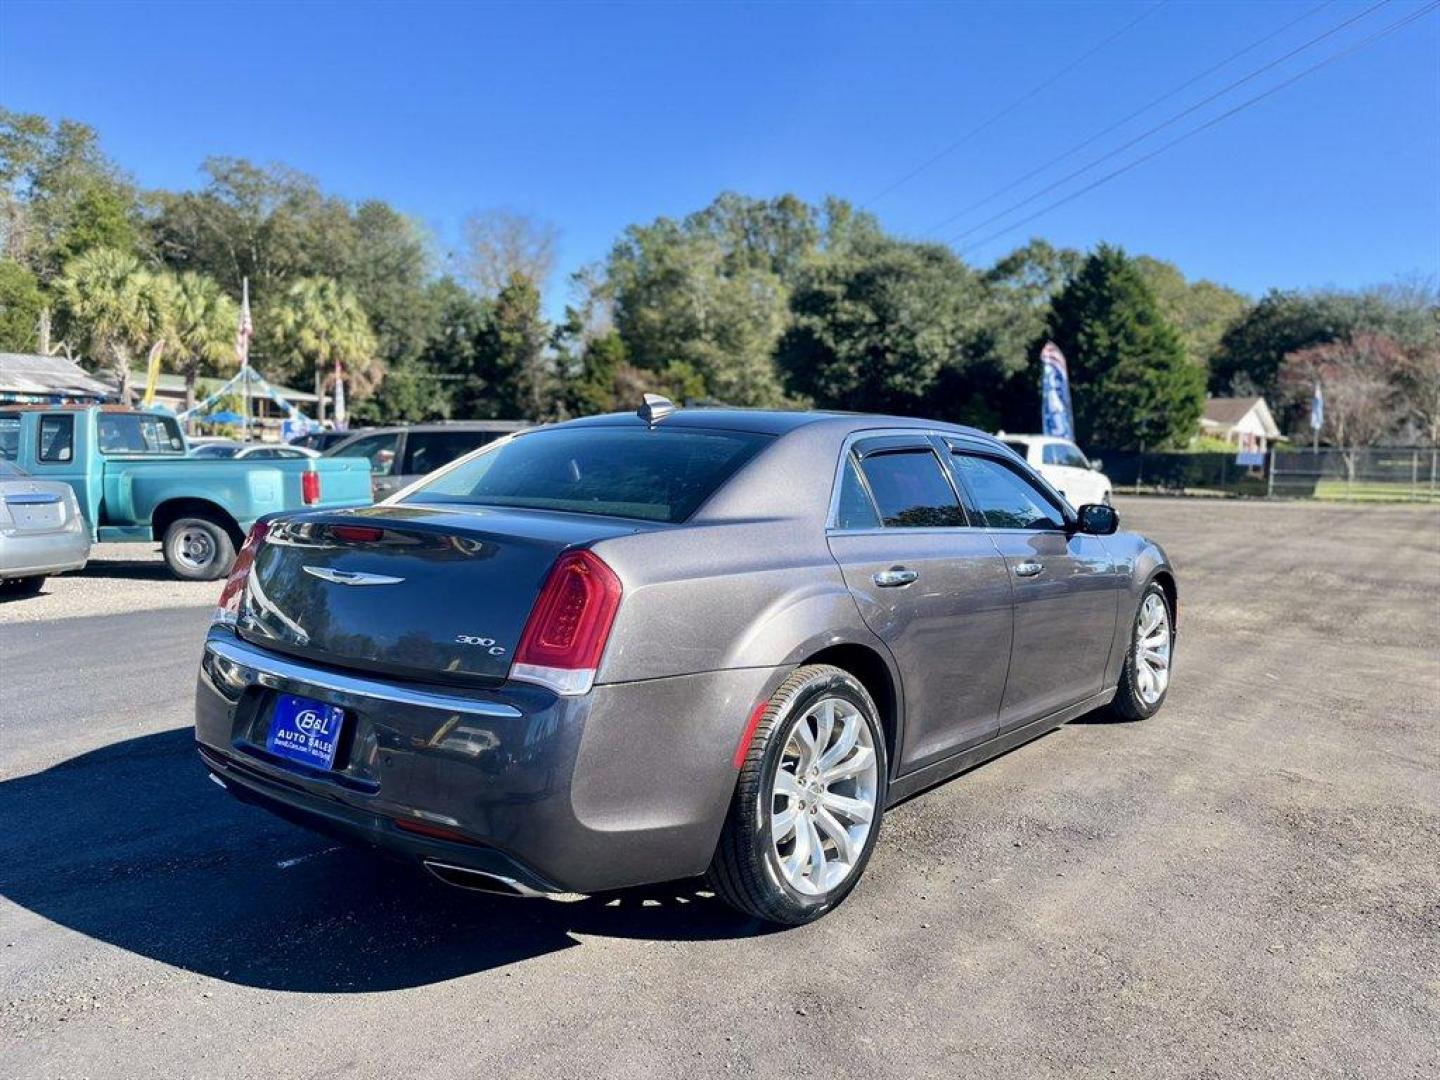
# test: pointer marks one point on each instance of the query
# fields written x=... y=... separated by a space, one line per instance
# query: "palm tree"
x=204 y=322
x=322 y=323
x=107 y=300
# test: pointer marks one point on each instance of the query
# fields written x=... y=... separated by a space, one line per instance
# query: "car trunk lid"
x=422 y=592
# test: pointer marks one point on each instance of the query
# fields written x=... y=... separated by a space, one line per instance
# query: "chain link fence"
x=1401 y=474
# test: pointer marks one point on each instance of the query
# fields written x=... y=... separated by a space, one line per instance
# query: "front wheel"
x=1145 y=679
x=198 y=549
x=807 y=807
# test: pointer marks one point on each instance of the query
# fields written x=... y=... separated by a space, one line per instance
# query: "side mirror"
x=1096 y=465
x=1097 y=519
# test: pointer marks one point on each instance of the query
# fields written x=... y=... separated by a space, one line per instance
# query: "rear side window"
x=9 y=437
x=911 y=490
x=854 y=510
x=57 y=438
x=426 y=451
x=1005 y=498
x=660 y=474
x=380 y=449
x=139 y=433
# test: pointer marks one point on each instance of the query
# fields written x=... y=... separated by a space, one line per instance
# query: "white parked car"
x=1062 y=463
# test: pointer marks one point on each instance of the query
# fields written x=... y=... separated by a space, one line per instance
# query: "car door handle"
x=890 y=579
x=1028 y=569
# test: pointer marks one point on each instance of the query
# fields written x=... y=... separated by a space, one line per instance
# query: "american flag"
x=246 y=327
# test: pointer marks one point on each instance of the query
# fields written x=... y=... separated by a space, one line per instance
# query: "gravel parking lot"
x=119 y=577
x=1246 y=885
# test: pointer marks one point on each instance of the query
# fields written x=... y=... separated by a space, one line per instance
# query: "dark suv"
x=401 y=455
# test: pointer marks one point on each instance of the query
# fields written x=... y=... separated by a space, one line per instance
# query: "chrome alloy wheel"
x=1152 y=649
x=823 y=799
x=195 y=548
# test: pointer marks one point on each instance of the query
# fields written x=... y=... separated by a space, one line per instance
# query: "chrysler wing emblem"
x=350 y=577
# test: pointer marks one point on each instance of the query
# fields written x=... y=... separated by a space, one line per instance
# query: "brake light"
x=310 y=487
x=565 y=635
x=228 y=609
x=357 y=534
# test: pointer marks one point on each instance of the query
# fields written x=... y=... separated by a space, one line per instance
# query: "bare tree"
x=501 y=244
x=1359 y=376
x=1419 y=380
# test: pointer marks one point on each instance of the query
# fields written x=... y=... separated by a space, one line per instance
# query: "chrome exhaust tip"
x=463 y=877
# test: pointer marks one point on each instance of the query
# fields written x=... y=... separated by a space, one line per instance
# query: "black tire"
x=23 y=586
x=745 y=871
x=1129 y=703
x=198 y=549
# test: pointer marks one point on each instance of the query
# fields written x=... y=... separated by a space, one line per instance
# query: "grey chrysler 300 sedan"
x=660 y=644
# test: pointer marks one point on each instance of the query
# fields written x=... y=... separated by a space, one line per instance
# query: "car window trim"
x=925 y=438
x=1029 y=474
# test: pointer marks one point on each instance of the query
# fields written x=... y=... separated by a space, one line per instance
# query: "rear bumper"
x=627 y=785
x=43 y=553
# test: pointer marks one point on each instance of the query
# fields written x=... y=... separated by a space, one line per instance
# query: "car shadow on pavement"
x=128 y=570
x=132 y=845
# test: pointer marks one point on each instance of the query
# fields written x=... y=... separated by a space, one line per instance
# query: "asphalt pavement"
x=1246 y=885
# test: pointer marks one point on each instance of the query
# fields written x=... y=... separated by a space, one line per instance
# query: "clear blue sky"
x=595 y=116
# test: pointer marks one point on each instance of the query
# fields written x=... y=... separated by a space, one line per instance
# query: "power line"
x=1015 y=104
x=1126 y=119
x=1166 y=123
x=1384 y=31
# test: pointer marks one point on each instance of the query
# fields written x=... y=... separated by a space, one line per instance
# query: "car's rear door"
x=930 y=584
x=1067 y=586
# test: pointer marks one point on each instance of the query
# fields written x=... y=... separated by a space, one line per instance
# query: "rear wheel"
x=198 y=549
x=808 y=803
x=1146 y=676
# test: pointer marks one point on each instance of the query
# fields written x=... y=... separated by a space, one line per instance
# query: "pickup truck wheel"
x=808 y=803
x=197 y=549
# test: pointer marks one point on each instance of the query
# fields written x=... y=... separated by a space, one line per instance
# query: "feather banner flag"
x=1056 y=416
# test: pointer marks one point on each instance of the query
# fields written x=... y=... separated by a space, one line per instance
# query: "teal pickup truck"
x=134 y=481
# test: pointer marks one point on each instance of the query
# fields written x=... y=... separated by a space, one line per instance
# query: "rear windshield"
x=654 y=474
x=139 y=433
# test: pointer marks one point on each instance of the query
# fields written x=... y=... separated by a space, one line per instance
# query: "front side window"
x=1006 y=499
x=659 y=474
x=57 y=438
x=1066 y=455
x=380 y=449
x=911 y=490
x=139 y=433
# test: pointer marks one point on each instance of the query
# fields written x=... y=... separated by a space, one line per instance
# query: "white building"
x=1244 y=422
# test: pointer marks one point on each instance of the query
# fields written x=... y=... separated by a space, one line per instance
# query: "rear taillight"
x=228 y=609
x=310 y=487
x=565 y=635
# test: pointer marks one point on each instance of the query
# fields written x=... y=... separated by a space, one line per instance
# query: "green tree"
x=1130 y=381
x=108 y=302
x=319 y=327
x=1201 y=311
x=61 y=195
x=204 y=322
x=876 y=324
x=21 y=303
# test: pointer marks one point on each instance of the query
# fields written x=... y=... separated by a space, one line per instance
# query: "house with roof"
x=1246 y=422
x=31 y=379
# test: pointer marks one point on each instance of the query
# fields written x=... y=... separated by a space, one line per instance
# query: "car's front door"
x=931 y=585
x=1067 y=587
